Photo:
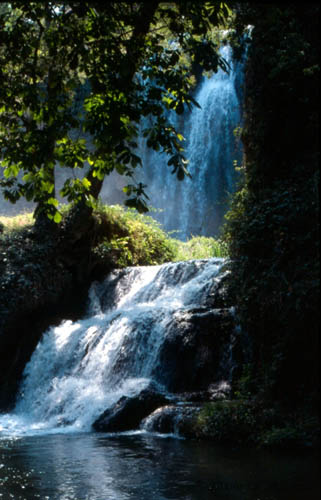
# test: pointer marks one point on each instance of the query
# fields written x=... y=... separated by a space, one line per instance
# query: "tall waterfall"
x=196 y=206
x=81 y=368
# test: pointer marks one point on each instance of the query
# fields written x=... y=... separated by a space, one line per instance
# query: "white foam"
x=81 y=368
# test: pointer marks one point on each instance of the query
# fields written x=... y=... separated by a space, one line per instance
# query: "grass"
x=199 y=247
x=16 y=222
x=130 y=239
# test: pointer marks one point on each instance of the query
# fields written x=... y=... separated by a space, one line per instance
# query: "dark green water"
x=145 y=467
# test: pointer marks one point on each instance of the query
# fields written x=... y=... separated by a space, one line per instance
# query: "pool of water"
x=149 y=467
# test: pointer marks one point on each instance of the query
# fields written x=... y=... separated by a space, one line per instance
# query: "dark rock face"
x=219 y=391
x=156 y=412
x=190 y=357
x=39 y=286
x=128 y=412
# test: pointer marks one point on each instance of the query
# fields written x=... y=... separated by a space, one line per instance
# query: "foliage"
x=199 y=247
x=29 y=264
x=227 y=421
x=129 y=238
x=128 y=60
x=284 y=437
x=272 y=228
x=244 y=386
x=18 y=222
x=248 y=422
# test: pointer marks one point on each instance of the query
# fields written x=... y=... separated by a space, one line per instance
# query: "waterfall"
x=196 y=206
x=81 y=368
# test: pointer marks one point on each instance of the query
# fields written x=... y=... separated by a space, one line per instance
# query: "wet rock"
x=190 y=356
x=176 y=419
x=128 y=412
x=193 y=397
x=37 y=289
x=215 y=392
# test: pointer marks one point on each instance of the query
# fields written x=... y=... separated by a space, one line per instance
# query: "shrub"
x=16 y=223
x=132 y=239
x=227 y=421
x=200 y=247
x=127 y=238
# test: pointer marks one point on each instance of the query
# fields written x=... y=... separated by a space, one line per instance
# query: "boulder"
x=128 y=412
x=219 y=391
x=176 y=419
x=215 y=392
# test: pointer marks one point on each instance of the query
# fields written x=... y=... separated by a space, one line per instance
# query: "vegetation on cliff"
x=123 y=238
x=252 y=422
x=272 y=229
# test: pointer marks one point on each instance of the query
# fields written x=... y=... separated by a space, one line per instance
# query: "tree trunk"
x=143 y=20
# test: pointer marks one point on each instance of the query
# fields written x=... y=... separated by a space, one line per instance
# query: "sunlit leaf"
x=57 y=217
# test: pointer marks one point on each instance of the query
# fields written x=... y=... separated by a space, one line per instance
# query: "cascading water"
x=79 y=369
x=196 y=206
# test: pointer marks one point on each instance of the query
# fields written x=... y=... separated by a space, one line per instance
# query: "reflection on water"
x=145 y=467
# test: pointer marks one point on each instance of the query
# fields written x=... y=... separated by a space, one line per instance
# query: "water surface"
x=148 y=467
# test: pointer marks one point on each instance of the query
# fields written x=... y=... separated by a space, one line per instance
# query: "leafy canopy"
x=76 y=80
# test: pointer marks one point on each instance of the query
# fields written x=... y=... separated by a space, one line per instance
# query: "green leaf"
x=86 y=183
x=53 y=202
x=11 y=171
x=99 y=175
x=57 y=217
x=47 y=186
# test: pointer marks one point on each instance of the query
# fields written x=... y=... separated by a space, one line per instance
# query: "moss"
x=272 y=229
x=290 y=436
x=252 y=423
x=227 y=421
